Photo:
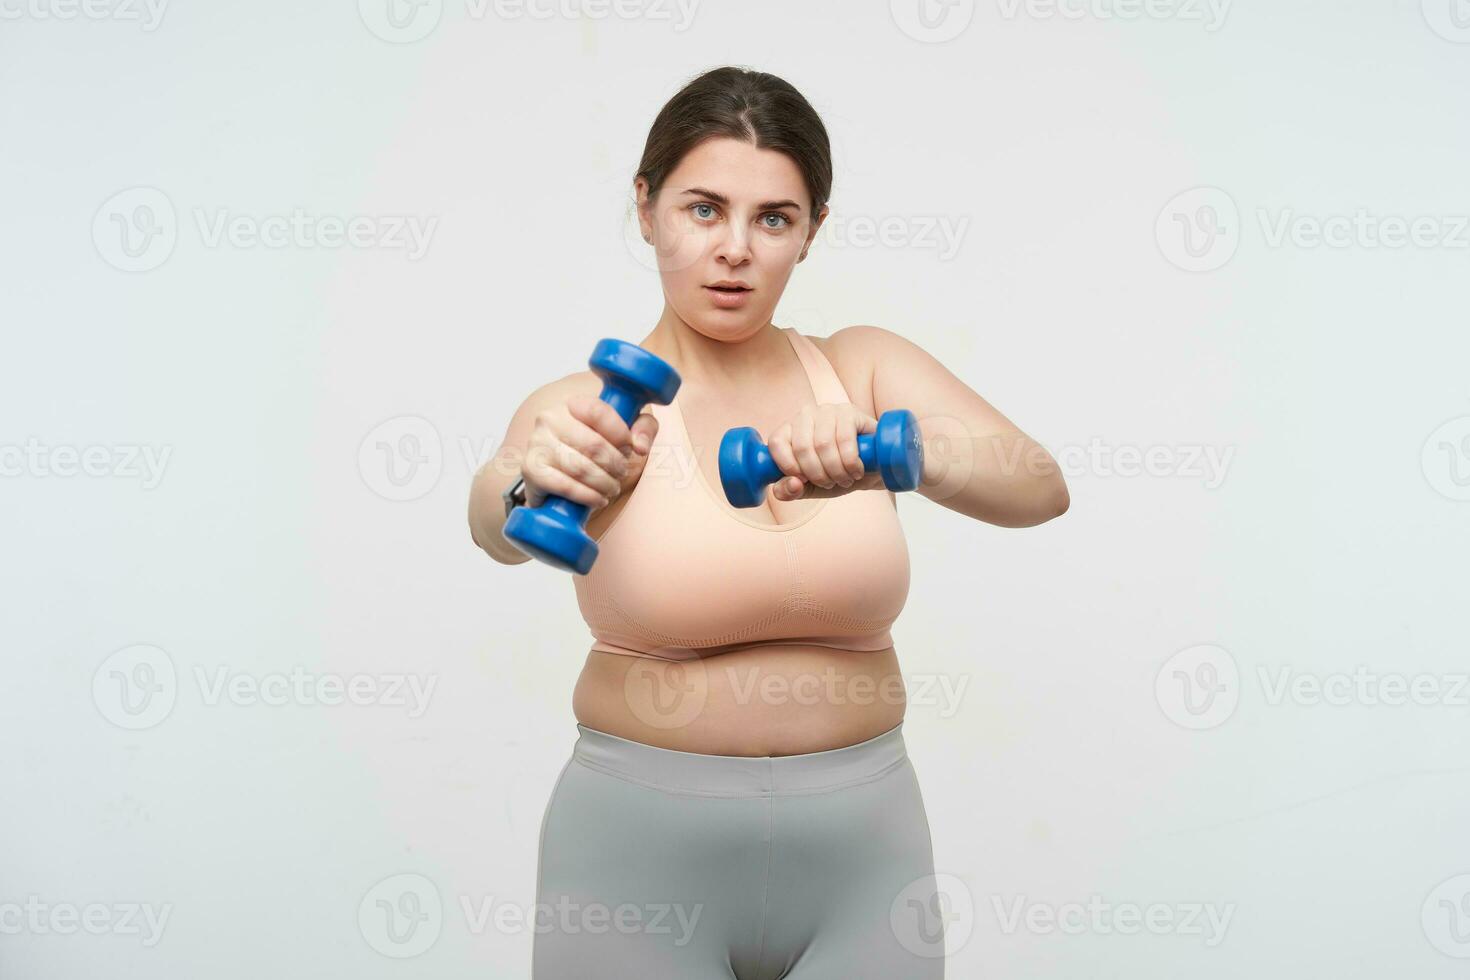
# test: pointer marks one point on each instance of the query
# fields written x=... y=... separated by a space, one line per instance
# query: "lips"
x=724 y=286
x=728 y=297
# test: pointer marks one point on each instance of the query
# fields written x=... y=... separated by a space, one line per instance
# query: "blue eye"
x=705 y=211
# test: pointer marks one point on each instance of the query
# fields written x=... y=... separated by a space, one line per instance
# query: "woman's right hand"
x=583 y=451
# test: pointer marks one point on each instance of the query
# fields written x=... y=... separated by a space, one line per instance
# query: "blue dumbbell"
x=553 y=532
x=895 y=450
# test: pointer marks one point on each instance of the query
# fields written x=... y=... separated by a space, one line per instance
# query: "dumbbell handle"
x=767 y=472
x=627 y=404
x=894 y=450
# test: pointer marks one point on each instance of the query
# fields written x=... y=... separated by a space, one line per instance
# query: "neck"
x=705 y=360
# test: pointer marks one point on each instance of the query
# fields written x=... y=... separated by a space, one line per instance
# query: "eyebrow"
x=725 y=201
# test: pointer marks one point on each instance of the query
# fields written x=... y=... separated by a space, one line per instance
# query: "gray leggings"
x=662 y=864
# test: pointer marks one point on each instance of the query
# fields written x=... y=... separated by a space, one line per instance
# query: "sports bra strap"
x=825 y=384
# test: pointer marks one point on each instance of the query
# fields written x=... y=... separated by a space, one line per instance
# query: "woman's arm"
x=580 y=449
x=487 y=509
x=977 y=462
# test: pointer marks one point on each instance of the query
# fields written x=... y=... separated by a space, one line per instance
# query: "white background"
x=323 y=408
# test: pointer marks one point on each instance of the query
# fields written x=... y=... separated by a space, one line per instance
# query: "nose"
x=734 y=245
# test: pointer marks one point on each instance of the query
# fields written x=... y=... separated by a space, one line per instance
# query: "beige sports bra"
x=682 y=574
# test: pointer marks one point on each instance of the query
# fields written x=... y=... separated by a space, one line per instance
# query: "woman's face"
x=729 y=212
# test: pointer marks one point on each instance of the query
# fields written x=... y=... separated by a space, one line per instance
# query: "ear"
x=816 y=226
x=645 y=208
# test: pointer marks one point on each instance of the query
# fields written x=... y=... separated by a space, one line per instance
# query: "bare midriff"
x=771 y=699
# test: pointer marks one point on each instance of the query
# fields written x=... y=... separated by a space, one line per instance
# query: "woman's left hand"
x=818 y=452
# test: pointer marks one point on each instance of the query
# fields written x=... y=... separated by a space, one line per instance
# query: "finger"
x=550 y=482
x=591 y=444
x=602 y=417
x=847 y=447
x=827 y=434
x=558 y=457
x=789 y=488
x=779 y=446
x=645 y=430
x=869 y=481
x=553 y=428
x=803 y=447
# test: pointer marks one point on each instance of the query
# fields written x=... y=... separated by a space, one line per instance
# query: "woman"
x=739 y=801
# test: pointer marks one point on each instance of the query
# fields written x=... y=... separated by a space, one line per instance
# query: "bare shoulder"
x=854 y=353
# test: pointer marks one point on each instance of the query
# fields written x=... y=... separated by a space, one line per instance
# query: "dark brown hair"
x=747 y=105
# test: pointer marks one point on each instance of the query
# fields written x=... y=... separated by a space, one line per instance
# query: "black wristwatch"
x=515 y=496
